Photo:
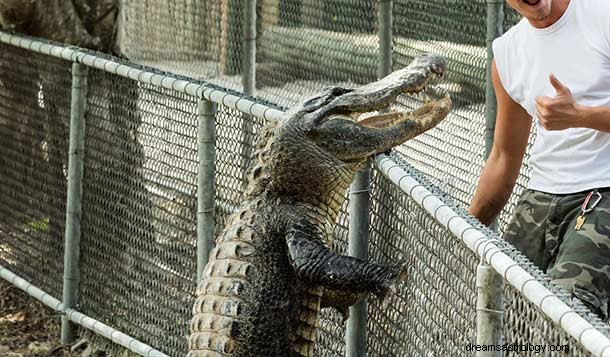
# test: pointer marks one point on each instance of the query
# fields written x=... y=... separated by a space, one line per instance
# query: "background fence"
x=305 y=45
x=139 y=202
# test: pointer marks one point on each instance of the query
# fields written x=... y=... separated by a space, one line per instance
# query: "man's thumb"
x=559 y=87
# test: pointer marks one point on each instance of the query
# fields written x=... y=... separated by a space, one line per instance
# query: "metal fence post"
x=356 y=333
x=385 y=37
x=495 y=22
x=206 y=148
x=249 y=63
x=490 y=309
x=248 y=81
x=358 y=247
x=74 y=195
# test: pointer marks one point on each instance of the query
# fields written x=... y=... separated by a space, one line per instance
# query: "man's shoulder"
x=594 y=8
x=512 y=35
x=594 y=15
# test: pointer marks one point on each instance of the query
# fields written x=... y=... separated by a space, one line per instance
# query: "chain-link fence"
x=34 y=117
x=439 y=301
x=138 y=224
x=139 y=202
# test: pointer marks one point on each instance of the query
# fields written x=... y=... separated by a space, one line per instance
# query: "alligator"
x=272 y=268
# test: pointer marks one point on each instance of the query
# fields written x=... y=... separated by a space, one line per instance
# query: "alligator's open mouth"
x=380 y=95
x=378 y=133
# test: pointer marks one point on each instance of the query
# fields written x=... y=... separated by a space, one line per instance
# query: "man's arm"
x=597 y=118
x=501 y=169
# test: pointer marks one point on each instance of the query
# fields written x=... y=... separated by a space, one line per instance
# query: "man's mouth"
x=532 y=2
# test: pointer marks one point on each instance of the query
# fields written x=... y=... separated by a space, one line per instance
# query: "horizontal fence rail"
x=231 y=108
x=80 y=319
x=176 y=83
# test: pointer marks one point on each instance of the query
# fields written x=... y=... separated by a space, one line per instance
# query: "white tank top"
x=577 y=50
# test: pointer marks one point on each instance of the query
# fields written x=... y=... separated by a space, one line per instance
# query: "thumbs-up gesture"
x=559 y=112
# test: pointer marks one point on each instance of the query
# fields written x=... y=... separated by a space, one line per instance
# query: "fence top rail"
x=142 y=74
x=492 y=252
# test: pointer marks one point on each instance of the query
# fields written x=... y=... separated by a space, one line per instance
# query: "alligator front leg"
x=317 y=264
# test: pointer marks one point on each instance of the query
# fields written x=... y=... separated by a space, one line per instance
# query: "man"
x=553 y=69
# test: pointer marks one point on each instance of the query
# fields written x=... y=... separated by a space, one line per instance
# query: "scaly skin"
x=272 y=269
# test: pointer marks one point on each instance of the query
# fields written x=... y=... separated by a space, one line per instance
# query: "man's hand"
x=560 y=112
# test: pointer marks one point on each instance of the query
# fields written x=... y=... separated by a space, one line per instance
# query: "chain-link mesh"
x=201 y=39
x=235 y=133
x=433 y=313
x=306 y=45
x=182 y=35
x=139 y=210
x=452 y=155
x=34 y=118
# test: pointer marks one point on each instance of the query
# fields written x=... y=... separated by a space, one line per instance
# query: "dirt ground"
x=30 y=329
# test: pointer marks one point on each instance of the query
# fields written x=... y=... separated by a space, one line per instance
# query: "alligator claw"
x=397 y=273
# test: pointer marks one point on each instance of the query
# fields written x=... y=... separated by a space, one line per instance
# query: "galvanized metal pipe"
x=490 y=309
x=78 y=318
x=385 y=37
x=206 y=179
x=249 y=62
x=248 y=81
x=495 y=22
x=75 y=188
x=359 y=194
x=142 y=74
x=356 y=331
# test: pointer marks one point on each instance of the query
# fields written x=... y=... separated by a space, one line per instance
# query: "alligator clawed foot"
x=397 y=274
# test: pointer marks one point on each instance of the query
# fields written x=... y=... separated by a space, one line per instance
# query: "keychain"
x=580 y=220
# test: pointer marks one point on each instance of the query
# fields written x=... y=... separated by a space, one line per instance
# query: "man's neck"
x=558 y=8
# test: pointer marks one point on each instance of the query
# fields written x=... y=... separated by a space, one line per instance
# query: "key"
x=580 y=220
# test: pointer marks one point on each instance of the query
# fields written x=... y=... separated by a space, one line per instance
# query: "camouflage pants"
x=579 y=260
